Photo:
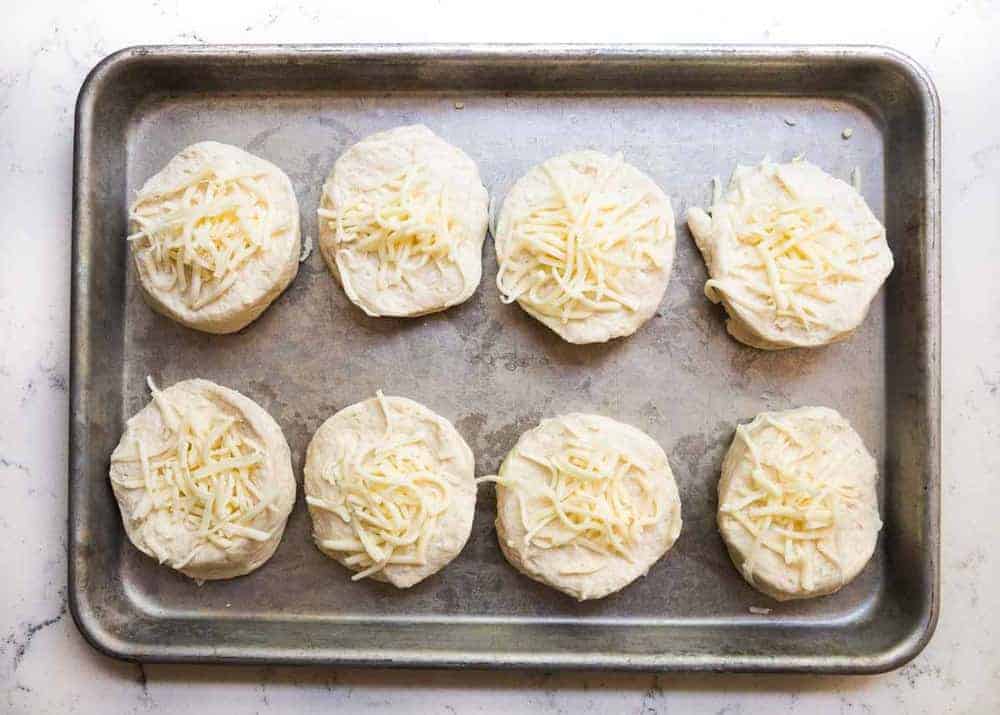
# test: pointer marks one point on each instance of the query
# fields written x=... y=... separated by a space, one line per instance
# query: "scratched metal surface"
x=682 y=115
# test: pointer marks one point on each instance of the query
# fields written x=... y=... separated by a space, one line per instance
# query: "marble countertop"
x=47 y=48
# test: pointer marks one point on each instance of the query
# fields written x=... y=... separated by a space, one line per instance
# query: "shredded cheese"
x=571 y=255
x=404 y=219
x=208 y=477
x=195 y=237
x=802 y=254
x=391 y=492
x=793 y=502
x=592 y=496
x=307 y=247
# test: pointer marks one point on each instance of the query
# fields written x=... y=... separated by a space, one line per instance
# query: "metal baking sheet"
x=681 y=113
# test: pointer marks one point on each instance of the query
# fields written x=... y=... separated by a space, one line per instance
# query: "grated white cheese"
x=794 y=501
x=307 y=248
x=592 y=497
x=207 y=478
x=803 y=252
x=392 y=494
x=195 y=237
x=571 y=255
x=491 y=215
x=405 y=220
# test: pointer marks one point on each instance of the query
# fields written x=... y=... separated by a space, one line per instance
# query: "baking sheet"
x=681 y=114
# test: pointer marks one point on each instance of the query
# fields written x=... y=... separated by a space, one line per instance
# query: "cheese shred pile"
x=405 y=221
x=208 y=477
x=391 y=493
x=574 y=252
x=593 y=497
x=195 y=237
x=801 y=253
x=794 y=503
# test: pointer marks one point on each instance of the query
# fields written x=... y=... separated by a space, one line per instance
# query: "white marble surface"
x=45 y=51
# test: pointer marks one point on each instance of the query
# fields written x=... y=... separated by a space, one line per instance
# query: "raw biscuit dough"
x=402 y=222
x=215 y=237
x=203 y=478
x=797 y=504
x=794 y=255
x=586 y=504
x=585 y=244
x=391 y=489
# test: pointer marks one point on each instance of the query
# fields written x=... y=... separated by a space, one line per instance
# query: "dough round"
x=610 y=480
x=585 y=243
x=402 y=222
x=215 y=237
x=217 y=488
x=794 y=255
x=797 y=504
x=391 y=490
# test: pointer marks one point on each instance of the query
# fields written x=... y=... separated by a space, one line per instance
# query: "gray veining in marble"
x=46 y=50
